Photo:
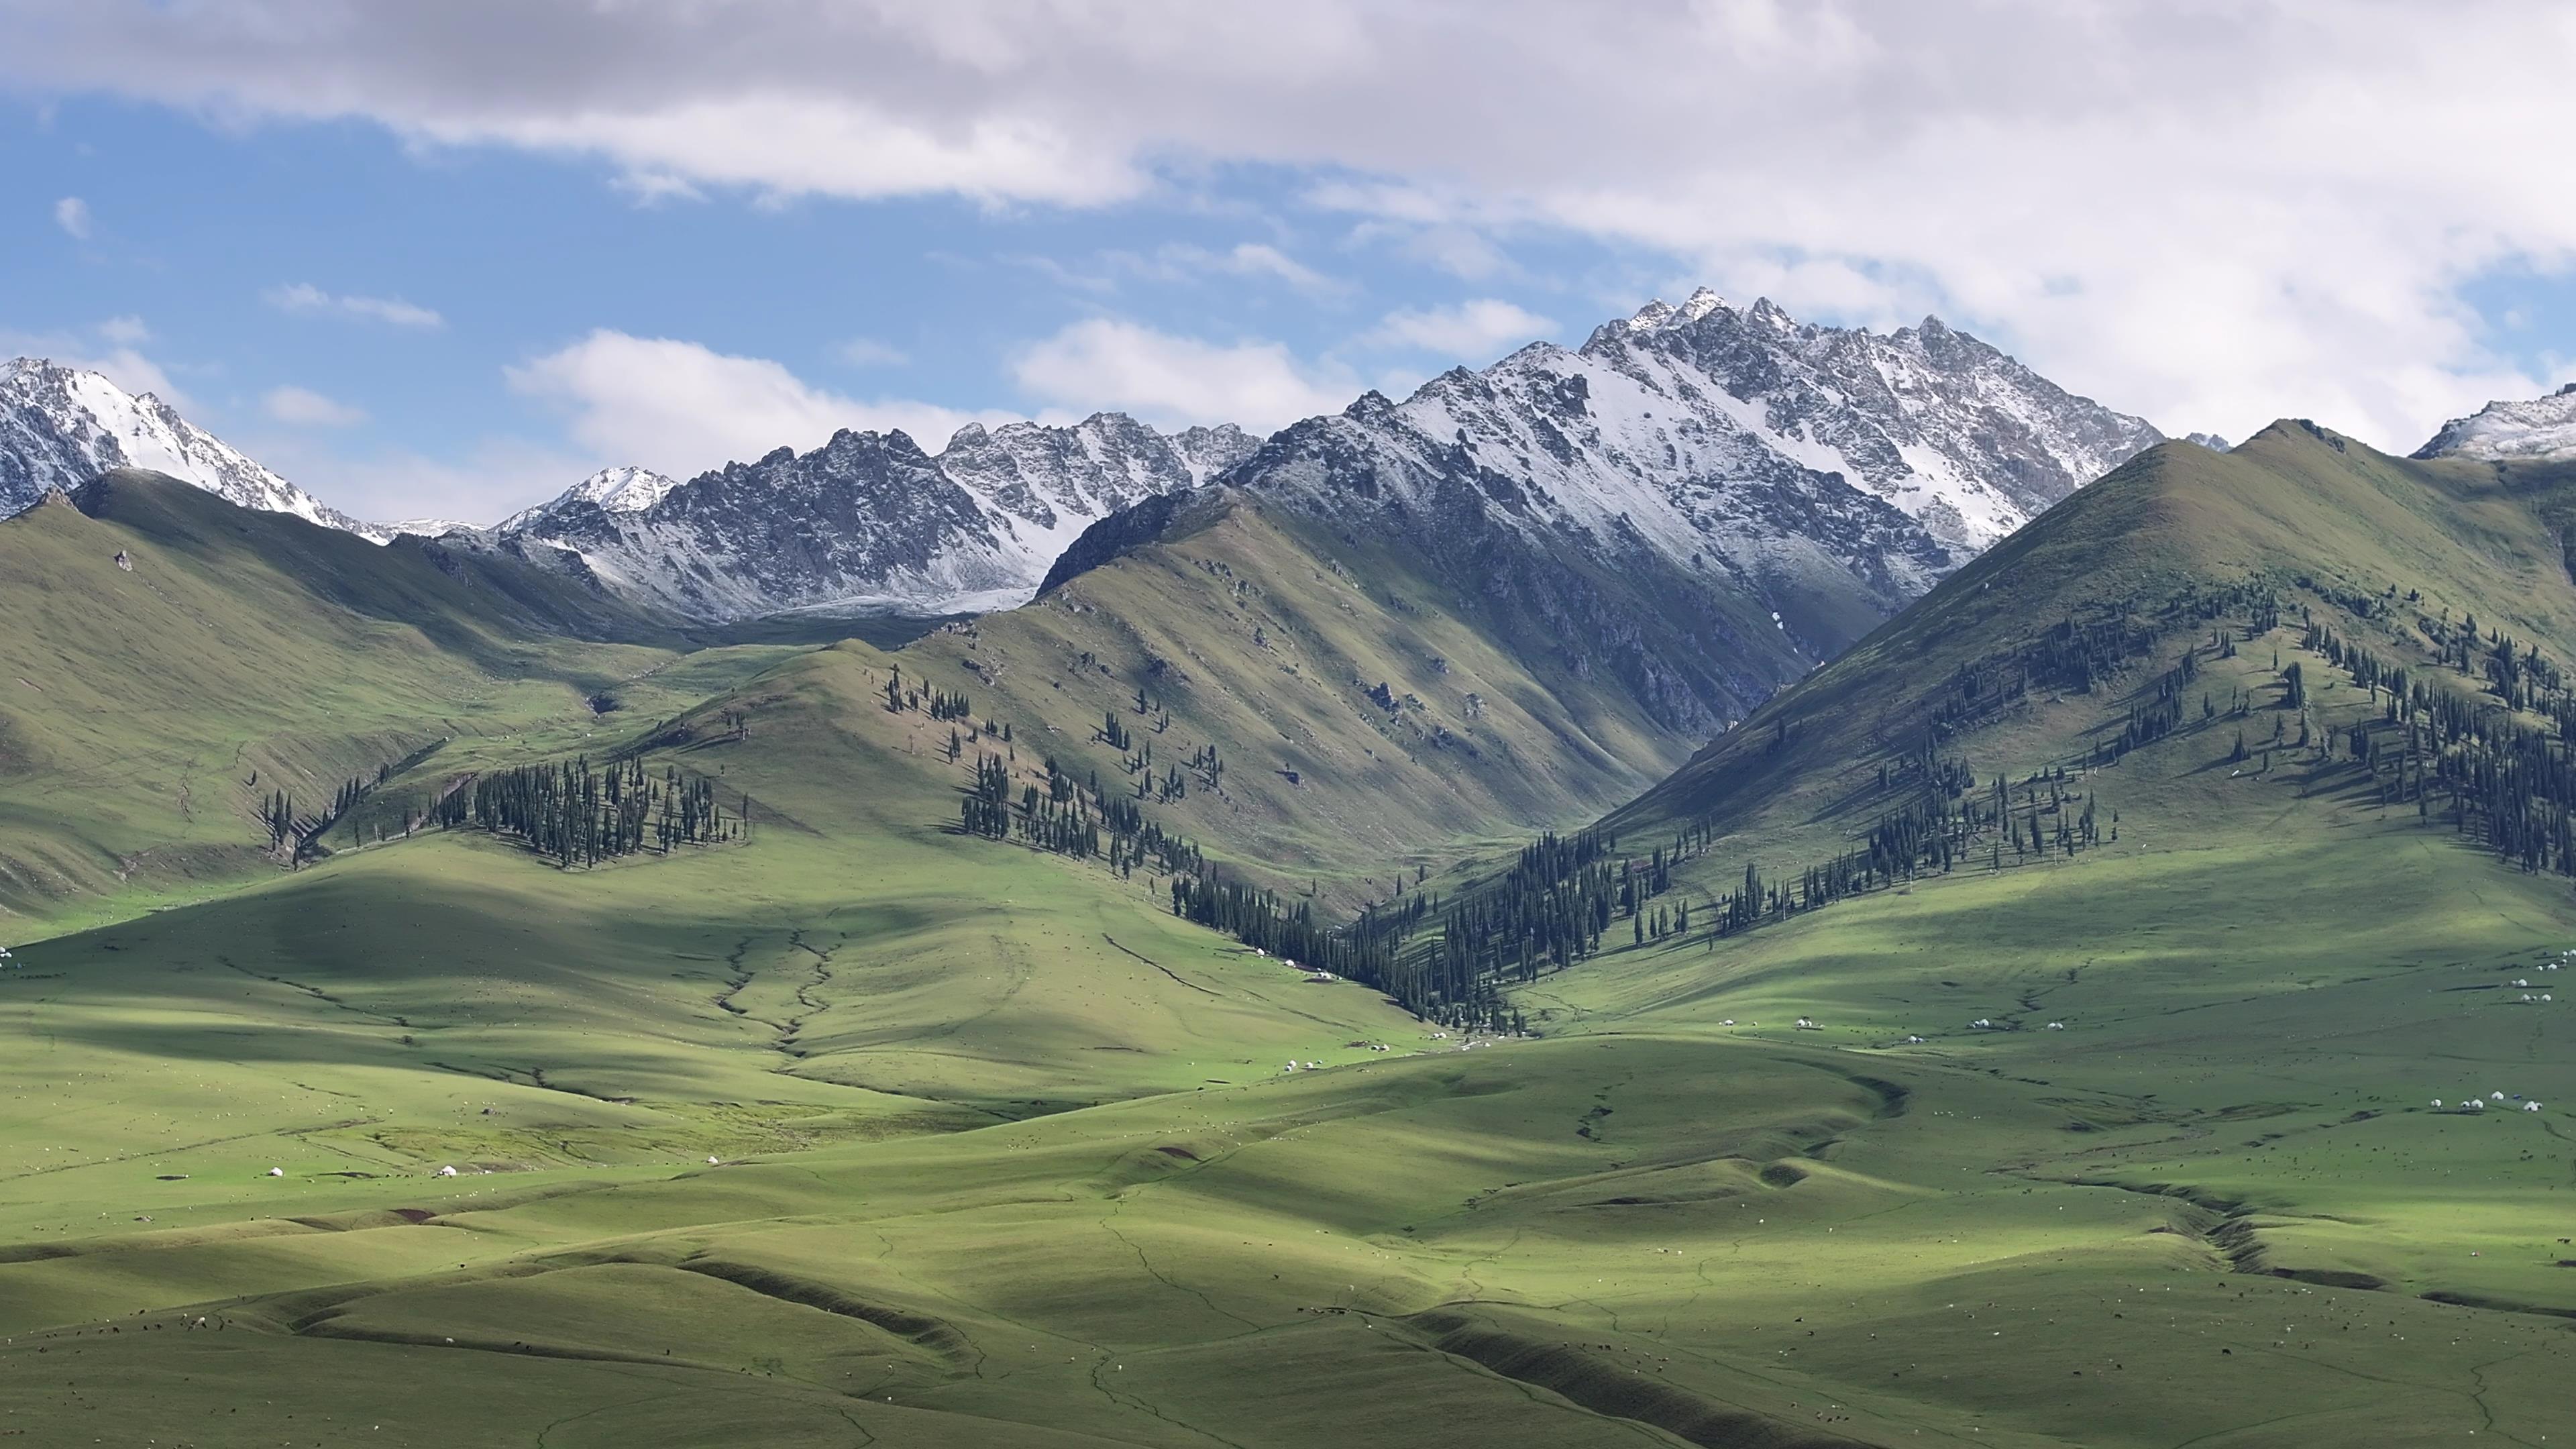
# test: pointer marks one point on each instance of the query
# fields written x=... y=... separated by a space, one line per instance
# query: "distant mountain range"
x=868 y=521
x=1831 y=473
x=2542 y=430
x=62 y=426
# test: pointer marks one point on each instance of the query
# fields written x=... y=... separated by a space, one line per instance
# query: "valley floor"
x=1037 y=1175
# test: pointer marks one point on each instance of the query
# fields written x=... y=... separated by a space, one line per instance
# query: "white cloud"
x=304 y=408
x=487 y=480
x=1179 y=263
x=1476 y=331
x=72 y=215
x=2210 y=213
x=869 y=352
x=679 y=408
x=1243 y=259
x=111 y=349
x=305 y=298
x=1105 y=363
x=1256 y=259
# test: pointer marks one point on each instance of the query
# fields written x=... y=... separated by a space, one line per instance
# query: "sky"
x=445 y=260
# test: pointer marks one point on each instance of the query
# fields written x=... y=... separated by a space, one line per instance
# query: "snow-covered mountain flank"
x=1831 y=474
x=2542 y=430
x=868 y=520
x=1702 y=501
x=1722 y=440
x=62 y=426
x=1958 y=436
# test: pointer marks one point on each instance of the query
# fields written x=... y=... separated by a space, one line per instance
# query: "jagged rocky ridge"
x=1825 y=475
x=2541 y=430
x=1702 y=500
x=62 y=426
x=868 y=520
x=1834 y=473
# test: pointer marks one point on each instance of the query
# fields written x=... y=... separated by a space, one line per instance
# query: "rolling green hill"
x=149 y=710
x=1369 y=714
x=1003 y=1153
x=2321 y=520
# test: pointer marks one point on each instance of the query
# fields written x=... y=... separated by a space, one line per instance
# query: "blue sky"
x=447 y=261
x=402 y=286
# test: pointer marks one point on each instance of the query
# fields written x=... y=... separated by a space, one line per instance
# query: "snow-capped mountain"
x=623 y=489
x=62 y=426
x=1959 y=436
x=1726 y=442
x=1701 y=500
x=868 y=520
x=2542 y=430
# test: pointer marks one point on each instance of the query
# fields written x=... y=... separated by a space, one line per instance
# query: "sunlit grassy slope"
x=147 y=712
x=1263 y=635
x=1007 y=1156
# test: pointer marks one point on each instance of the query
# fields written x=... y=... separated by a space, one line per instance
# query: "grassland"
x=148 y=711
x=986 y=1177
x=1262 y=635
x=1004 y=1155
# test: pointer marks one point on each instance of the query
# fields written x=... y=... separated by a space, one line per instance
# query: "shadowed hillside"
x=150 y=709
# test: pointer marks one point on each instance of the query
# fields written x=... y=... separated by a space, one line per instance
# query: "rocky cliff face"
x=869 y=521
x=62 y=426
x=2542 y=430
x=1703 y=501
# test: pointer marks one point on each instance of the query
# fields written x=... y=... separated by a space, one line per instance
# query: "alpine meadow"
x=1342 y=926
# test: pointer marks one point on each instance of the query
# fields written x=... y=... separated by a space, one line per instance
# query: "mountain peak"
x=624 y=488
x=1659 y=314
x=1702 y=302
x=2541 y=430
x=61 y=426
x=869 y=522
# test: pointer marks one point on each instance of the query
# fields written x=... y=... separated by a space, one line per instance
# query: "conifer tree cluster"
x=1068 y=818
x=1257 y=917
x=575 y=814
x=2494 y=779
x=279 y=816
x=940 y=704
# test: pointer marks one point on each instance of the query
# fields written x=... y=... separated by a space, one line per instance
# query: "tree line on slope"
x=577 y=814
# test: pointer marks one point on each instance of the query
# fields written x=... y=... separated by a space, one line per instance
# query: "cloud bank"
x=682 y=408
x=2207 y=212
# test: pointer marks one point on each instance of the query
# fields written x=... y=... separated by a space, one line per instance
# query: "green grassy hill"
x=147 y=712
x=1005 y=1154
x=2318 y=519
x=1369 y=716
